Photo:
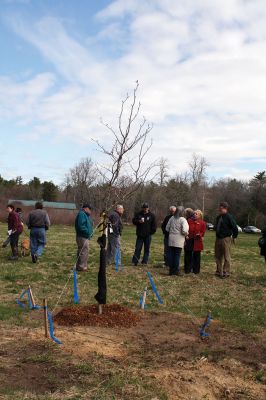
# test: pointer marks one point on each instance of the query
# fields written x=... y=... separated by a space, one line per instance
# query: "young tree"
x=125 y=170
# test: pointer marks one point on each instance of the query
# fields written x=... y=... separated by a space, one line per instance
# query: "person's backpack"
x=262 y=242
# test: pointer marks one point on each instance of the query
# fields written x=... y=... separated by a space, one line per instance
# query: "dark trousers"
x=146 y=241
x=166 y=251
x=192 y=261
x=174 y=260
x=14 y=243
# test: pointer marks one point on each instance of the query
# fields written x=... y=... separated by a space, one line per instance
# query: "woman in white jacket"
x=177 y=227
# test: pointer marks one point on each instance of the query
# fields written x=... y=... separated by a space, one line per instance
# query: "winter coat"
x=197 y=230
x=225 y=226
x=38 y=218
x=178 y=230
x=83 y=225
x=148 y=227
x=263 y=248
x=14 y=223
x=164 y=223
x=116 y=221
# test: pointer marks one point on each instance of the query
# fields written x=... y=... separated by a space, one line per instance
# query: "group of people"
x=37 y=222
x=182 y=228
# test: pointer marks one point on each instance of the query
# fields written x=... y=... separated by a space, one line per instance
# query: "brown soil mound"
x=113 y=316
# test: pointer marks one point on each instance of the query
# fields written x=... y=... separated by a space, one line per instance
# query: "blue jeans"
x=174 y=260
x=37 y=241
x=146 y=241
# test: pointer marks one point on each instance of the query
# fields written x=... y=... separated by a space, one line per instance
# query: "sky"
x=67 y=64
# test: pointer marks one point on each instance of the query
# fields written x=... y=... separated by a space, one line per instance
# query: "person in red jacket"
x=194 y=242
x=15 y=228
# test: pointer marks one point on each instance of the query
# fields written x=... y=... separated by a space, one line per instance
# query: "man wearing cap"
x=115 y=232
x=226 y=231
x=145 y=227
x=84 y=232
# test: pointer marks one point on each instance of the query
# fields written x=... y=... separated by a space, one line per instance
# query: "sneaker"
x=226 y=275
x=82 y=269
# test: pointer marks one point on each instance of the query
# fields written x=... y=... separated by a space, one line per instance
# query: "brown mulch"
x=113 y=316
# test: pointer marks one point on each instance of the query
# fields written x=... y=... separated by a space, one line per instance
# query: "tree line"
x=190 y=189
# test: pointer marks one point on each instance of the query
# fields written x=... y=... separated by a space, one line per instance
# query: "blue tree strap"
x=76 y=296
x=205 y=325
x=118 y=260
x=18 y=301
x=51 y=329
x=154 y=288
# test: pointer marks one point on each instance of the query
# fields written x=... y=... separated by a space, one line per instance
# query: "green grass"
x=238 y=302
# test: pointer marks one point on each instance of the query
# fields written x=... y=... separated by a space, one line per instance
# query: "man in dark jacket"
x=15 y=228
x=172 y=210
x=115 y=231
x=226 y=231
x=145 y=227
x=38 y=222
x=84 y=232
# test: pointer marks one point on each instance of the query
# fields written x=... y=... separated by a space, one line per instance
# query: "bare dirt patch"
x=164 y=347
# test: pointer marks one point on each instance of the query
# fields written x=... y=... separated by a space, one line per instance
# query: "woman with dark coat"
x=263 y=247
x=15 y=228
x=194 y=243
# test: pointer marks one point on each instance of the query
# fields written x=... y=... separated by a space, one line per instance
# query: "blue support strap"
x=51 y=329
x=118 y=264
x=205 y=325
x=154 y=288
x=18 y=301
x=76 y=296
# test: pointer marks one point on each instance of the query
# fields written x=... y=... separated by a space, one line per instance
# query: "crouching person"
x=115 y=232
x=38 y=222
x=84 y=232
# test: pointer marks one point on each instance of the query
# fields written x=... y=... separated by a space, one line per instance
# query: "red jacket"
x=14 y=222
x=196 y=232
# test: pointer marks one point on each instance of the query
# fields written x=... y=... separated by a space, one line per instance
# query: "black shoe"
x=34 y=258
x=13 y=258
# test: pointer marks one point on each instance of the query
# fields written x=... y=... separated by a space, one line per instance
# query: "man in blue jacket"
x=84 y=232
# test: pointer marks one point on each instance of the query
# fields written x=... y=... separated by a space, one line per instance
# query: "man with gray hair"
x=114 y=233
x=172 y=210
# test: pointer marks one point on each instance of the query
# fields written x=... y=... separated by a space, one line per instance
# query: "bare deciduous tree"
x=81 y=177
x=163 y=170
x=126 y=171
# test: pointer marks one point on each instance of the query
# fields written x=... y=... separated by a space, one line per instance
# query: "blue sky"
x=65 y=64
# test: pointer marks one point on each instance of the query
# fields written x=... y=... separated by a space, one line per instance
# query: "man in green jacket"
x=226 y=231
x=84 y=232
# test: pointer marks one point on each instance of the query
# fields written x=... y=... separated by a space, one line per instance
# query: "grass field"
x=238 y=303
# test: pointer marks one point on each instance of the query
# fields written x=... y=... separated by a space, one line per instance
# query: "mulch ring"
x=113 y=316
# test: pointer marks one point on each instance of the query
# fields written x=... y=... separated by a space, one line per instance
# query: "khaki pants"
x=223 y=255
x=82 y=253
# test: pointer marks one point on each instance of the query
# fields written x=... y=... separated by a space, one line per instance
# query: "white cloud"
x=201 y=67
